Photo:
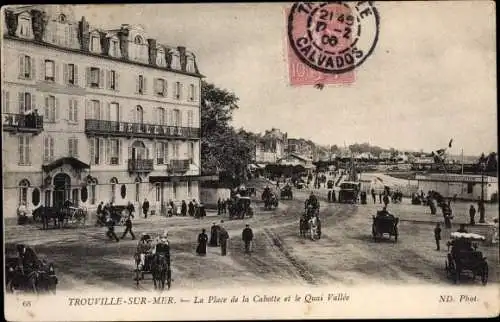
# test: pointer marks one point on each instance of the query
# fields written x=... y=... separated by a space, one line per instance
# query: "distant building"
x=271 y=146
x=465 y=187
x=293 y=159
x=301 y=147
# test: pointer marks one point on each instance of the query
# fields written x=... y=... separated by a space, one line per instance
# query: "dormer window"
x=114 y=48
x=160 y=57
x=62 y=18
x=190 y=65
x=24 y=25
x=138 y=40
x=176 y=64
x=95 y=44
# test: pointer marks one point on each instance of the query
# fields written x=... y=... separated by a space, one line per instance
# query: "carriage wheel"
x=169 y=278
x=374 y=234
x=456 y=276
x=137 y=277
x=484 y=274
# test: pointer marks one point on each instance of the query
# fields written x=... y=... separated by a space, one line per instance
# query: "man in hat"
x=472 y=215
x=145 y=207
x=214 y=235
x=223 y=237
x=163 y=246
x=144 y=248
x=111 y=228
x=27 y=258
x=437 y=235
x=128 y=228
x=247 y=237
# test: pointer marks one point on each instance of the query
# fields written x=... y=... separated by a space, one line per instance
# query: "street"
x=345 y=254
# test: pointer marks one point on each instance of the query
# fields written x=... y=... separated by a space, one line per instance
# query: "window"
x=95 y=77
x=158 y=192
x=23 y=191
x=114 y=48
x=94 y=45
x=35 y=197
x=470 y=187
x=62 y=18
x=84 y=195
x=113 y=151
x=177 y=117
x=178 y=90
x=113 y=182
x=92 y=193
x=25 y=100
x=95 y=109
x=25 y=67
x=190 y=65
x=139 y=114
x=50 y=109
x=176 y=147
x=160 y=57
x=123 y=191
x=24 y=150
x=174 y=188
x=191 y=92
x=48 y=148
x=73 y=147
x=24 y=27
x=138 y=40
x=112 y=79
x=74 y=197
x=71 y=74
x=161 y=152
x=49 y=70
x=160 y=87
x=73 y=110
x=189 y=188
x=95 y=151
x=141 y=84
x=191 y=152
x=161 y=116
x=190 y=118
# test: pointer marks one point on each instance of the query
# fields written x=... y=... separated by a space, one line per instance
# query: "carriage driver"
x=312 y=201
x=144 y=248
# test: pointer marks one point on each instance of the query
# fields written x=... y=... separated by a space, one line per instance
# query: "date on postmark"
x=329 y=40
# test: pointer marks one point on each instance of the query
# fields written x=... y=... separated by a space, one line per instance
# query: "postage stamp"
x=331 y=39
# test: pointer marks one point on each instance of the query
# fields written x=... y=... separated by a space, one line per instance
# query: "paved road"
x=345 y=254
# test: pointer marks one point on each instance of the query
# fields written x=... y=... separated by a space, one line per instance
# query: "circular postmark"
x=333 y=37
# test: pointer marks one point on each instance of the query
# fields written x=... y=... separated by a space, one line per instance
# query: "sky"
x=431 y=77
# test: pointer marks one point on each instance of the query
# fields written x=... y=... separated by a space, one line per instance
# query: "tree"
x=222 y=148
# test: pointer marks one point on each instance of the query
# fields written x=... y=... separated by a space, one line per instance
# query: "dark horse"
x=160 y=269
x=35 y=281
x=303 y=226
x=45 y=214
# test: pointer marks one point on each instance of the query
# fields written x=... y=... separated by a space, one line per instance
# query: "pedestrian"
x=191 y=209
x=219 y=207
x=472 y=215
x=437 y=235
x=318 y=226
x=214 y=235
x=482 y=210
x=111 y=229
x=374 y=196
x=223 y=237
x=432 y=205
x=247 y=237
x=448 y=215
x=131 y=209
x=380 y=197
x=201 y=250
x=334 y=198
x=329 y=196
x=99 y=209
x=128 y=228
x=386 y=199
x=145 y=207
x=183 y=208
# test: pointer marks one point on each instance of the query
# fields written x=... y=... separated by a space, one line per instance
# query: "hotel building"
x=95 y=115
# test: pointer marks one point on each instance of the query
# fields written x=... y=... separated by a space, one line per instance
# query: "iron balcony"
x=140 y=130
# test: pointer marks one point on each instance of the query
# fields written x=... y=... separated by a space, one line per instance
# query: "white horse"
x=313 y=227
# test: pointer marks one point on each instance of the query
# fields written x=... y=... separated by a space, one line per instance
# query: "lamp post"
x=481 y=202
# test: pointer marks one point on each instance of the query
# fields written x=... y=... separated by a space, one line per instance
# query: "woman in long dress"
x=202 y=243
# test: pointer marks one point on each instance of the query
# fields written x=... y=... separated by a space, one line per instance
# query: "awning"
x=74 y=162
x=156 y=179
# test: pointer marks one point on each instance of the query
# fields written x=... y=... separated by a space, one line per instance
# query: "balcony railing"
x=140 y=165
x=140 y=130
x=179 y=165
x=29 y=123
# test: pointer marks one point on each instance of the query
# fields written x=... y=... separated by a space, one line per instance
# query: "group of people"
x=219 y=238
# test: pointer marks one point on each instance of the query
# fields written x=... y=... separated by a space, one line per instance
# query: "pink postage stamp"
x=327 y=41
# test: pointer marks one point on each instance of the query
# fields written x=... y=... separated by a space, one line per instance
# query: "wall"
x=448 y=190
x=210 y=196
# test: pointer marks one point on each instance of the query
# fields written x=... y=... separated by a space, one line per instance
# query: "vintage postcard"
x=295 y=160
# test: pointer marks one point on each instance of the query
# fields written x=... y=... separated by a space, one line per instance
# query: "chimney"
x=39 y=23
x=182 y=57
x=11 y=20
x=152 y=51
x=104 y=43
x=83 y=34
x=123 y=37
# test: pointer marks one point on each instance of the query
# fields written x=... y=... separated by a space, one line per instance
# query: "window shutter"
x=21 y=66
x=144 y=85
x=56 y=71
x=21 y=150
x=108 y=79
x=70 y=109
x=181 y=89
x=56 y=109
x=70 y=143
x=42 y=69
x=155 y=152
x=6 y=102
x=165 y=87
x=130 y=152
x=33 y=69
x=75 y=147
x=102 y=151
x=171 y=117
x=108 y=112
x=180 y=118
x=65 y=73
x=137 y=84
x=108 y=151
x=51 y=148
x=75 y=110
x=117 y=81
x=88 y=109
x=119 y=150
x=46 y=148
x=92 y=150
x=165 y=152
x=76 y=74
x=88 y=76
x=47 y=112
x=28 y=150
x=101 y=78
x=21 y=103
x=33 y=101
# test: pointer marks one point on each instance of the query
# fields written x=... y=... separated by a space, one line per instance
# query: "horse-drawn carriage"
x=464 y=258
x=270 y=199
x=240 y=208
x=286 y=192
x=384 y=223
x=39 y=278
x=155 y=264
x=309 y=224
x=348 y=192
x=61 y=216
x=416 y=199
x=117 y=213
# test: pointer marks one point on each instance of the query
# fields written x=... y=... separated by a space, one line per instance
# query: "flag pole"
x=462 y=161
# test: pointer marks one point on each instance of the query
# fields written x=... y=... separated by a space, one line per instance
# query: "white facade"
x=465 y=187
x=100 y=109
